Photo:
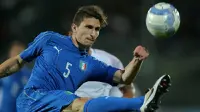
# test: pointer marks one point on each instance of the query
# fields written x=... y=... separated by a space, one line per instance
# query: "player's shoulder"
x=53 y=36
x=44 y=34
x=51 y=33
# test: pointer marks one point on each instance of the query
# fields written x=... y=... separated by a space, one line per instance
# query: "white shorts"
x=95 y=89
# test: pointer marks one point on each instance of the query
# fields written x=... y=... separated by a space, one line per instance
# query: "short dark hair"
x=90 y=11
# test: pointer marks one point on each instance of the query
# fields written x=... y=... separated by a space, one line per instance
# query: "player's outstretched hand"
x=140 y=52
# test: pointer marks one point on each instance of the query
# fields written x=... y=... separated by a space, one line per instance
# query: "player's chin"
x=89 y=43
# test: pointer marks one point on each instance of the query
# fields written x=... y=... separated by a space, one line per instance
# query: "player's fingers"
x=146 y=49
x=140 y=51
x=144 y=55
x=145 y=52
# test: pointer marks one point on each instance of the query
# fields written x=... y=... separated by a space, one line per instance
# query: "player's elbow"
x=122 y=77
x=20 y=62
x=126 y=79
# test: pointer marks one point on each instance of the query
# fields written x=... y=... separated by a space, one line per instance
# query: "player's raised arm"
x=10 y=66
x=127 y=76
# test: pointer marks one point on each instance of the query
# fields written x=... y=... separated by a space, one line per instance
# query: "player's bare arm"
x=10 y=66
x=128 y=75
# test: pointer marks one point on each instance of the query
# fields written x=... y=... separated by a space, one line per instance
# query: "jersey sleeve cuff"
x=23 y=56
x=111 y=72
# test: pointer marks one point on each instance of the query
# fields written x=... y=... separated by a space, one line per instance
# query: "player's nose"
x=93 y=34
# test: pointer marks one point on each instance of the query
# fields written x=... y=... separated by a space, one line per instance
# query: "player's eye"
x=97 y=28
x=89 y=26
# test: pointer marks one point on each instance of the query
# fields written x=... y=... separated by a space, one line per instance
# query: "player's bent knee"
x=67 y=108
x=76 y=106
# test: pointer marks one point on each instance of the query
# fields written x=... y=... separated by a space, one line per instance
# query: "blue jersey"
x=12 y=86
x=60 y=65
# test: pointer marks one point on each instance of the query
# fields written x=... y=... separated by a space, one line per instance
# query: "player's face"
x=15 y=50
x=87 y=32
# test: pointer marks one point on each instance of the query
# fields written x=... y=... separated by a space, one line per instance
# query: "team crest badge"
x=82 y=65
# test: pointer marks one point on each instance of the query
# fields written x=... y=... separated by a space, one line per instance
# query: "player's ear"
x=74 y=27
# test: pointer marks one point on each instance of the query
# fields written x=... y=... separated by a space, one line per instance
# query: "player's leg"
x=152 y=99
x=107 y=104
x=33 y=100
x=78 y=104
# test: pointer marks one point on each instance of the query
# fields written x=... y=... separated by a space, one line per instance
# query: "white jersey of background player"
x=95 y=89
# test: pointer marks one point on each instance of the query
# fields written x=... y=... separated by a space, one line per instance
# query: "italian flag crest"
x=82 y=65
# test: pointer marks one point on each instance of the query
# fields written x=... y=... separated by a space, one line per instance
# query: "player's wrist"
x=136 y=59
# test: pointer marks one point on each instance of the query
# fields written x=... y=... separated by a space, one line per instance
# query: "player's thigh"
x=34 y=100
x=76 y=106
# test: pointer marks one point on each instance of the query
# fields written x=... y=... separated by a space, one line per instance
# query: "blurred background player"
x=13 y=85
x=95 y=89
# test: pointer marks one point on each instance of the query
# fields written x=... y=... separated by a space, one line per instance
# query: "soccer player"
x=62 y=64
x=13 y=85
x=94 y=89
